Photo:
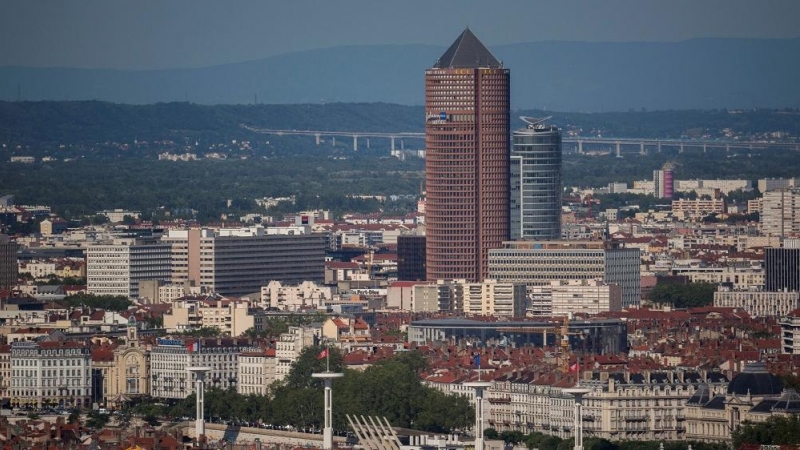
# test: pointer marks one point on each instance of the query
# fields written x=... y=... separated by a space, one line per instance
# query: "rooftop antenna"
x=533 y=122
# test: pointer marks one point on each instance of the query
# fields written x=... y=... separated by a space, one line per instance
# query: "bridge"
x=580 y=145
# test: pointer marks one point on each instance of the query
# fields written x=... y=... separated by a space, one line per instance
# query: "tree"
x=491 y=433
x=777 y=430
x=204 y=332
x=683 y=295
x=96 y=420
x=105 y=302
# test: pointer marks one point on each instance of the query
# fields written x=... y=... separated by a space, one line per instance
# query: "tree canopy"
x=683 y=295
x=106 y=302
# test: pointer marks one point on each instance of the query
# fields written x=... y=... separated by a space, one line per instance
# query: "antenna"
x=532 y=121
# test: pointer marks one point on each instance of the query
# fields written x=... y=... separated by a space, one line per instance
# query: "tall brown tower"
x=467 y=160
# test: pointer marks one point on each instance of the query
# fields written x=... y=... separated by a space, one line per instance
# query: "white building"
x=758 y=303
x=231 y=317
x=537 y=263
x=170 y=358
x=584 y=296
x=289 y=346
x=117 y=267
x=491 y=298
x=257 y=371
x=118 y=215
x=295 y=297
x=50 y=373
x=780 y=213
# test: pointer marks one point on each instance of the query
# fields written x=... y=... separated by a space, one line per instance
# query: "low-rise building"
x=584 y=296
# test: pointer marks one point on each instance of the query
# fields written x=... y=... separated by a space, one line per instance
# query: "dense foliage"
x=683 y=295
x=390 y=388
x=777 y=430
x=106 y=302
x=273 y=327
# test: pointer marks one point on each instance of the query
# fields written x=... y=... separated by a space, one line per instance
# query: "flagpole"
x=327 y=358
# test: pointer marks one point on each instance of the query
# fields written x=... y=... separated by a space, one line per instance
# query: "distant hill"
x=561 y=76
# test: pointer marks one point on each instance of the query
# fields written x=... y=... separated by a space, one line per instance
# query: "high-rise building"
x=410 y=257
x=780 y=212
x=8 y=262
x=664 y=182
x=782 y=269
x=536 y=182
x=467 y=160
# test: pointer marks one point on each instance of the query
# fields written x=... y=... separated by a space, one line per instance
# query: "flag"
x=573 y=368
x=477 y=360
x=323 y=354
x=193 y=347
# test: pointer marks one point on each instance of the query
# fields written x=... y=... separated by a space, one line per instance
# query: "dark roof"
x=755 y=380
x=467 y=52
x=788 y=403
x=700 y=397
x=717 y=402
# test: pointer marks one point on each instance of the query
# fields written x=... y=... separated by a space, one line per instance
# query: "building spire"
x=467 y=52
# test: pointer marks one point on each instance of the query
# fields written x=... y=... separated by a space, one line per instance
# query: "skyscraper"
x=467 y=160
x=663 y=181
x=536 y=181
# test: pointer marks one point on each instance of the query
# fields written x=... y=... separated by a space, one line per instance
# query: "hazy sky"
x=146 y=34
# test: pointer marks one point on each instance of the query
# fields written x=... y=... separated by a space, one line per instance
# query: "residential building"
x=663 y=182
x=724 y=186
x=49 y=227
x=118 y=215
x=536 y=182
x=490 y=298
x=780 y=213
x=116 y=267
x=772 y=184
x=231 y=317
x=289 y=346
x=790 y=332
x=50 y=373
x=758 y=303
x=467 y=104
x=257 y=371
x=739 y=278
x=539 y=263
x=8 y=262
x=697 y=209
x=295 y=298
x=170 y=358
x=5 y=371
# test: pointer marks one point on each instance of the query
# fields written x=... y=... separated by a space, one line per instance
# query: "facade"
x=697 y=209
x=257 y=371
x=411 y=257
x=5 y=371
x=117 y=267
x=790 y=332
x=771 y=184
x=539 y=263
x=536 y=182
x=739 y=278
x=294 y=298
x=491 y=298
x=289 y=346
x=584 y=296
x=129 y=376
x=50 y=373
x=724 y=186
x=780 y=213
x=467 y=103
x=8 y=262
x=782 y=269
x=239 y=262
x=169 y=359
x=758 y=303
x=663 y=183
x=231 y=317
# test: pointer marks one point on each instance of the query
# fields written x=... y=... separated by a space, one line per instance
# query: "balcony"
x=637 y=419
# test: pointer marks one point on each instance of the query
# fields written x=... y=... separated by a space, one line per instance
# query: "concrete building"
x=169 y=359
x=50 y=373
x=240 y=261
x=663 y=182
x=772 y=184
x=130 y=373
x=231 y=317
x=257 y=371
x=790 y=332
x=539 y=263
x=491 y=298
x=467 y=104
x=295 y=298
x=780 y=213
x=584 y=296
x=289 y=346
x=116 y=267
x=697 y=209
x=8 y=262
x=49 y=227
x=724 y=186
x=739 y=278
x=536 y=182
x=118 y=215
x=758 y=303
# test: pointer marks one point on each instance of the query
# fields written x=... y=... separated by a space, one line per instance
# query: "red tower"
x=467 y=160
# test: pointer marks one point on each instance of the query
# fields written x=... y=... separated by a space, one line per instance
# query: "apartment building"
x=780 y=213
x=295 y=297
x=583 y=296
x=790 y=332
x=290 y=345
x=758 y=303
x=257 y=371
x=232 y=317
x=50 y=373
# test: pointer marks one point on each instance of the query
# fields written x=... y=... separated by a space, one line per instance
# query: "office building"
x=539 y=263
x=780 y=213
x=757 y=303
x=790 y=332
x=782 y=269
x=411 y=257
x=467 y=160
x=116 y=267
x=536 y=182
x=239 y=261
x=583 y=296
x=8 y=262
x=771 y=184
